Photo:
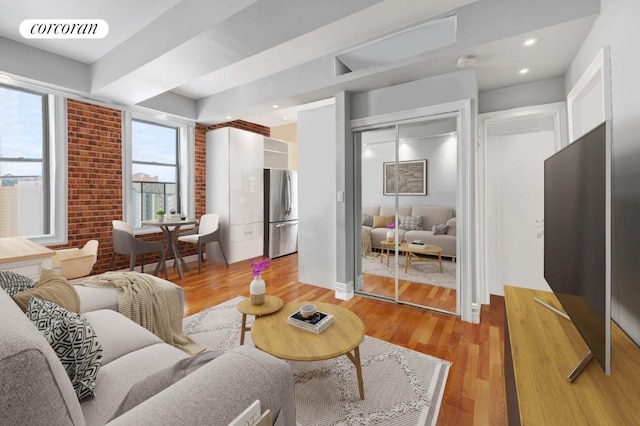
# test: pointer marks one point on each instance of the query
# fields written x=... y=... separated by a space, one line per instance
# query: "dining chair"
x=207 y=231
x=124 y=242
x=76 y=262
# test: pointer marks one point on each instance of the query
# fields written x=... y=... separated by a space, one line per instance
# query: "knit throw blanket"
x=155 y=305
x=367 y=250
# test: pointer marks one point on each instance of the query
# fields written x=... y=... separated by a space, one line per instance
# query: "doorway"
x=408 y=180
x=513 y=147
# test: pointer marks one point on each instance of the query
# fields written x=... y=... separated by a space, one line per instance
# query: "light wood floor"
x=474 y=394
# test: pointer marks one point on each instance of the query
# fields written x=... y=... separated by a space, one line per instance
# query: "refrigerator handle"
x=288 y=177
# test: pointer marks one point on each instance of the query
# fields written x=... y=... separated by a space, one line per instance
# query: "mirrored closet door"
x=408 y=193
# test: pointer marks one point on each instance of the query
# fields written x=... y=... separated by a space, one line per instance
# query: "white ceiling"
x=210 y=59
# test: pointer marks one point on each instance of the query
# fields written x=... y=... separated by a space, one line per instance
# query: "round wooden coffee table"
x=273 y=335
x=411 y=253
x=271 y=304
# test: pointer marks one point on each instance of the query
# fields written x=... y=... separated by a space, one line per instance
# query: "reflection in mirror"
x=423 y=253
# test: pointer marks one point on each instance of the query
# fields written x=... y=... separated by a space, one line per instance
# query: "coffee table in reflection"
x=275 y=336
x=271 y=304
x=428 y=249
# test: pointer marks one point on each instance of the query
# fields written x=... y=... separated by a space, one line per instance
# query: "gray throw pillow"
x=14 y=283
x=151 y=385
x=367 y=220
x=410 y=223
x=440 y=229
x=73 y=340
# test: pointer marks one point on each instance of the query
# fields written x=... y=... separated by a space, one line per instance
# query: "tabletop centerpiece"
x=390 y=227
x=257 y=287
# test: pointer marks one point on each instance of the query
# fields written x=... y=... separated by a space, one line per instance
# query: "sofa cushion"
x=118 y=334
x=391 y=210
x=53 y=288
x=440 y=229
x=367 y=220
x=72 y=339
x=13 y=283
x=116 y=378
x=410 y=223
x=371 y=210
x=382 y=221
x=30 y=371
x=154 y=383
x=432 y=215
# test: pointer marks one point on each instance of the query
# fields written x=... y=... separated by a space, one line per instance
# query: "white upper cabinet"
x=276 y=154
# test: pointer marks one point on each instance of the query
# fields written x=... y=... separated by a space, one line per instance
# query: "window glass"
x=155 y=170
x=24 y=174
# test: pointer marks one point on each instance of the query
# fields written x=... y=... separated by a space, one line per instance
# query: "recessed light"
x=530 y=42
x=523 y=71
x=228 y=117
x=284 y=118
x=274 y=106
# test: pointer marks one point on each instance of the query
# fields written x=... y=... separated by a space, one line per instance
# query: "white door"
x=515 y=146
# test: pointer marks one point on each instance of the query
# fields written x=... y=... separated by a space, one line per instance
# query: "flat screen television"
x=577 y=237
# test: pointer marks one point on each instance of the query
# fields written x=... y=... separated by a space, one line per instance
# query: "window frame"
x=54 y=163
x=186 y=164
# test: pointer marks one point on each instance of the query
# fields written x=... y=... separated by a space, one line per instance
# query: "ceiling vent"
x=403 y=44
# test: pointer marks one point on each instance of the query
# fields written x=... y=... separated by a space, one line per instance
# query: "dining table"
x=170 y=227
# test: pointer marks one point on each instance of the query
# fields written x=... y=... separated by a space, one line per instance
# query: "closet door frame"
x=468 y=308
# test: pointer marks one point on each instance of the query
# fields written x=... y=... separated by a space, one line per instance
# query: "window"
x=155 y=168
x=158 y=172
x=30 y=177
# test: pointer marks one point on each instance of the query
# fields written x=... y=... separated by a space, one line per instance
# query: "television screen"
x=577 y=211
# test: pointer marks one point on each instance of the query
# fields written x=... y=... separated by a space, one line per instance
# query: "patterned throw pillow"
x=73 y=340
x=411 y=223
x=13 y=283
x=367 y=220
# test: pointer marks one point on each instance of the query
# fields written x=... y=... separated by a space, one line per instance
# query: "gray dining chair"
x=207 y=231
x=124 y=242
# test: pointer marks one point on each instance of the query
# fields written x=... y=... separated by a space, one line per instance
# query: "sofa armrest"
x=219 y=391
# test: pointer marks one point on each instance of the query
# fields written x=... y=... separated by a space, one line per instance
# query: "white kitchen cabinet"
x=276 y=154
x=234 y=188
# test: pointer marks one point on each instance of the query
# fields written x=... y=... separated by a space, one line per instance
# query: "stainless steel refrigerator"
x=281 y=212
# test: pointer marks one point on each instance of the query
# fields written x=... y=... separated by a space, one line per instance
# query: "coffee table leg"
x=355 y=359
x=243 y=328
x=440 y=260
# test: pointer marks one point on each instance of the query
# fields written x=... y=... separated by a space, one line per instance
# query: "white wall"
x=535 y=93
x=441 y=156
x=317 y=196
x=617 y=26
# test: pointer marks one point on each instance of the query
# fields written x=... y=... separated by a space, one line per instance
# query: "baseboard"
x=150 y=267
x=344 y=291
x=475 y=313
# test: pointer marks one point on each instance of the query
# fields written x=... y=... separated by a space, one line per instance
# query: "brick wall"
x=243 y=125
x=95 y=178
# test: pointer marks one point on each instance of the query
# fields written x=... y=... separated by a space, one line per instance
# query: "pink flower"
x=391 y=225
x=259 y=265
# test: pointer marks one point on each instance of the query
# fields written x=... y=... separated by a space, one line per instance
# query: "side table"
x=386 y=245
x=271 y=304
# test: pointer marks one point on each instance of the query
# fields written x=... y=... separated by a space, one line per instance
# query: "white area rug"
x=402 y=387
x=423 y=272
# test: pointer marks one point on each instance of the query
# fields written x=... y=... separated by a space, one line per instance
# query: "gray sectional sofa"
x=37 y=391
x=431 y=215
